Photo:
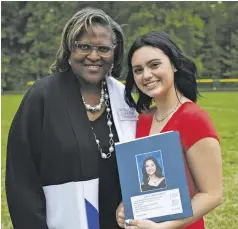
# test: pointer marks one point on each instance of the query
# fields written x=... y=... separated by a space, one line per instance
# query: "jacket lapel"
x=124 y=117
x=87 y=148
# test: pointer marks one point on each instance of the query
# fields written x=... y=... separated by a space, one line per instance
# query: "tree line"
x=31 y=31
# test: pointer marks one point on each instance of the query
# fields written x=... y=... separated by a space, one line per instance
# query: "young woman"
x=160 y=72
x=152 y=175
x=61 y=168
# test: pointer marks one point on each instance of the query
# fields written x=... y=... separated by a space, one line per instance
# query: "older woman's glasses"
x=102 y=50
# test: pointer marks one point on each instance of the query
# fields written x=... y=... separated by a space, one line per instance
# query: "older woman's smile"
x=93 y=68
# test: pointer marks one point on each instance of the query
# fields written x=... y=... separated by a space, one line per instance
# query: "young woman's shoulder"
x=194 y=113
x=195 y=124
x=190 y=108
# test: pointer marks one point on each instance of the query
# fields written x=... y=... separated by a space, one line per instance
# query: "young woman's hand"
x=148 y=224
x=141 y=224
x=120 y=215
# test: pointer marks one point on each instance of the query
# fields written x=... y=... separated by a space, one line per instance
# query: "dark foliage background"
x=31 y=31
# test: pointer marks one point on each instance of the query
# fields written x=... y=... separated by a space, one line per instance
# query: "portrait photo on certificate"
x=151 y=172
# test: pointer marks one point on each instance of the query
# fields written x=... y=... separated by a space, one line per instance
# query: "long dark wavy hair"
x=80 y=23
x=158 y=171
x=184 y=77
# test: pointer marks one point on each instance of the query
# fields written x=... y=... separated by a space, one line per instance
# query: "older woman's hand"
x=120 y=215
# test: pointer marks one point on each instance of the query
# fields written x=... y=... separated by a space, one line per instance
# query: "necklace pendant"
x=109 y=123
x=103 y=155
x=111 y=149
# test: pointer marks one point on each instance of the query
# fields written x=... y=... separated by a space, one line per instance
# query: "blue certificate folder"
x=153 y=179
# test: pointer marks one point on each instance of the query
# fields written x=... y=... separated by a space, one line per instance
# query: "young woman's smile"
x=151 y=84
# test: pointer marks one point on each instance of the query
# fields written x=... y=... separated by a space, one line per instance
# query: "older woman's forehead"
x=96 y=32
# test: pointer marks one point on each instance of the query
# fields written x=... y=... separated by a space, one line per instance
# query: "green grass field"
x=223 y=109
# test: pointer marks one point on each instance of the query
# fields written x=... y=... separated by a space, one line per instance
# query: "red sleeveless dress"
x=193 y=124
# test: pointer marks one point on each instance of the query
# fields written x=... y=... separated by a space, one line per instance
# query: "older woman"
x=61 y=169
